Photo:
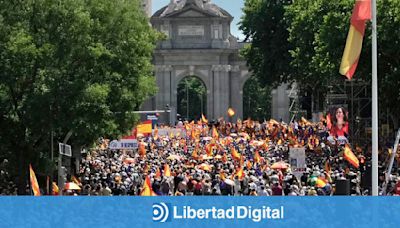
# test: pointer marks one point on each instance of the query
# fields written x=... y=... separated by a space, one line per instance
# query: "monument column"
x=220 y=90
x=165 y=82
x=235 y=95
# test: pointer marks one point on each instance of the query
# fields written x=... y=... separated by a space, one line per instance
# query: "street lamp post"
x=187 y=100
x=201 y=103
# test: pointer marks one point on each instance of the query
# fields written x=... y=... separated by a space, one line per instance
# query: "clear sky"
x=234 y=7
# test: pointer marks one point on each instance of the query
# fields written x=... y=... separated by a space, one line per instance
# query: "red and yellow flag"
x=158 y=173
x=209 y=149
x=240 y=173
x=248 y=164
x=235 y=154
x=222 y=175
x=34 y=183
x=195 y=155
x=147 y=190
x=224 y=158
x=75 y=180
x=55 y=189
x=257 y=158
x=230 y=112
x=203 y=119
x=144 y=128
x=167 y=170
x=350 y=157
x=352 y=50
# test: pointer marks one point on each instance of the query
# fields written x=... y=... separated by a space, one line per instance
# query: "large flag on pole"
x=34 y=183
x=147 y=190
x=351 y=55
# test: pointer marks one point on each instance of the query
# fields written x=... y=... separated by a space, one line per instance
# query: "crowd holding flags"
x=226 y=158
x=250 y=144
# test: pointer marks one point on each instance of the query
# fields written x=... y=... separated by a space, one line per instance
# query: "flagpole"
x=374 y=103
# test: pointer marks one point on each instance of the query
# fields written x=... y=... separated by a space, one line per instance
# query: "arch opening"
x=191 y=98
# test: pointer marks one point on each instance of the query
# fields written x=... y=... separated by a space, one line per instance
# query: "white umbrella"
x=229 y=182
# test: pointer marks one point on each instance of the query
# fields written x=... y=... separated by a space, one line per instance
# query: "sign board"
x=152 y=117
x=191 y=30
x=123 y=144
x=169 y=131
x=297 y=160
x=65 y=149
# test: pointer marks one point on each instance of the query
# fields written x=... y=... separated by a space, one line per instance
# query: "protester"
x=228 y=159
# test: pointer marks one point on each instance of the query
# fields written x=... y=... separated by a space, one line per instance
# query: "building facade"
x=198 y=43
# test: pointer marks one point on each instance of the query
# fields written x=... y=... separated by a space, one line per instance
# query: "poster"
x=338 y=125
x=297 y=160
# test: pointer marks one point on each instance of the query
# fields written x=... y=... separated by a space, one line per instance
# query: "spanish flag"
x=352 y=50
x=248 y=164
x=222 y=175
x=195 y=155
x=158 y=173
x=144 y=128
x=224 y=159
x=167 y=170
x=235 y=154
x=230 y=112
x=257 y=157
x=147 y=190
x=203 y=119
x=75 y=180
x=209 y=149
x=240 y=173
x=350 y=157
x=34 y=183
x=55 y=189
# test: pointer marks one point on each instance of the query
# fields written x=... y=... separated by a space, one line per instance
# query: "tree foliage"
x=193 y=88
x=77 y=65
x=264 y=23
x=256 y=100
x=315 y=39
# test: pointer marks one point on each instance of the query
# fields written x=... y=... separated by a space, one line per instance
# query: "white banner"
x=123 y=144
x=169 y=131
x=297 y=161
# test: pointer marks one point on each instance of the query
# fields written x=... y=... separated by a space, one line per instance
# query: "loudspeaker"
x=342 y=187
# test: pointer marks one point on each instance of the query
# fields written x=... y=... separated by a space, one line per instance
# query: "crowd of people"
x=242 y=158
x=7 y=185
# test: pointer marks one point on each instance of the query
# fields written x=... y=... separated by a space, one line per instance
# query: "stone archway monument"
x=198 y=42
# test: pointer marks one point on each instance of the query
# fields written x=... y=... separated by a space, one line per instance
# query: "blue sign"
x=199 y=211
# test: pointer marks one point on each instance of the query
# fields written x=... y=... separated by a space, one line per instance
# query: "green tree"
x=193 y=88
x=315 y=37
x=75 y=65
x=318 y=31
x=256 y=100
x=265 y=25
